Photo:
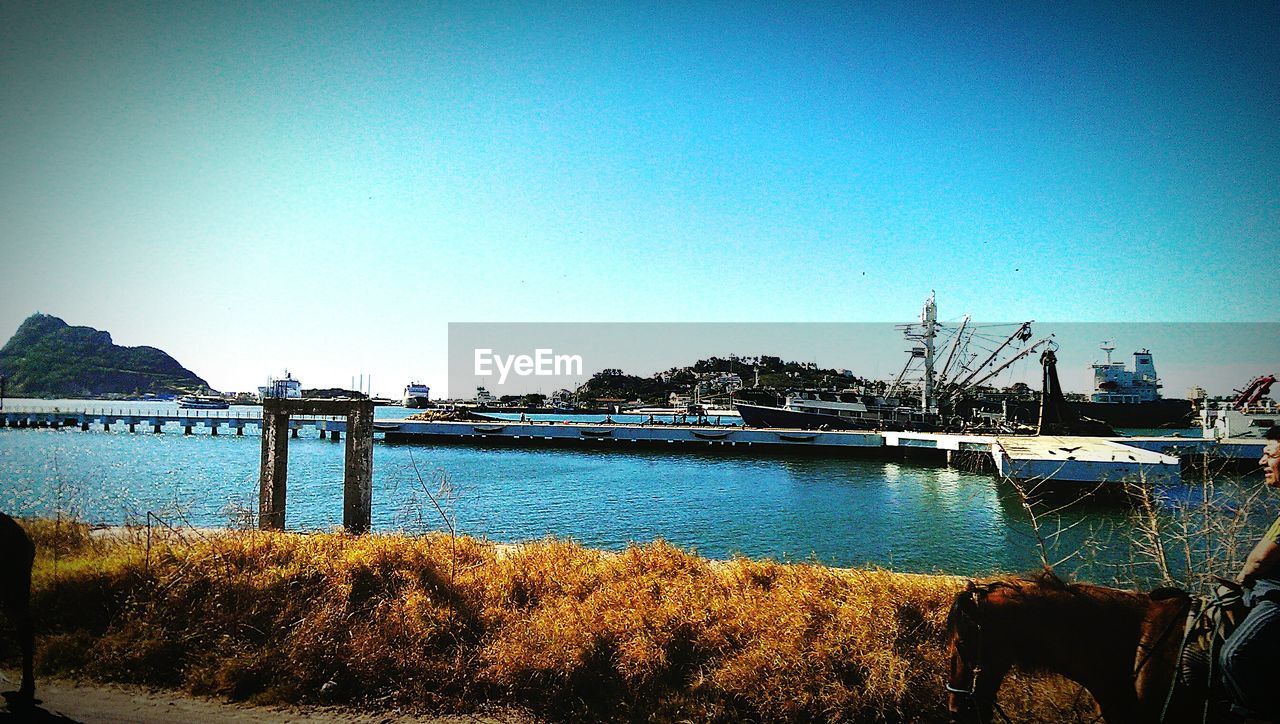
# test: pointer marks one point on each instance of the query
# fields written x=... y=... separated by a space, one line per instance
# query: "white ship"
x=416 y=396
x=285 y=388
x=202 y=402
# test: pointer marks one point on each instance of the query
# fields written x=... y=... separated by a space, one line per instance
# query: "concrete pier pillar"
x=156 y=428
x=187 y=430
x=293 y=432
x=274 y=470
x=239 y=430
x=84 y=426
x=357 y=483
x=333 y=435
x=213 y=429
x=4 y=420
x=106 y=425
x=133 y=427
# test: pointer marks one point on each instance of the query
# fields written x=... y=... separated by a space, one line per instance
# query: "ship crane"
x=1253 y=392
x=1021 y=334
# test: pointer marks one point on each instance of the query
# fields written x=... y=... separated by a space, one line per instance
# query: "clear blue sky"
x=251 y=186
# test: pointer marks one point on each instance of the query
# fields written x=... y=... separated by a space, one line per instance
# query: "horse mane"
x=1047 y=583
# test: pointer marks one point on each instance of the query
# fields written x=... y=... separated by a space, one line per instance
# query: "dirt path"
x=67 y=701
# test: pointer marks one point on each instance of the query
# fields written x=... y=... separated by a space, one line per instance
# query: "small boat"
x=202 y=402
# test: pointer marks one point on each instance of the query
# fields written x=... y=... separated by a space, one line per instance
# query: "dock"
x=1070 y=460
x=1082 y=460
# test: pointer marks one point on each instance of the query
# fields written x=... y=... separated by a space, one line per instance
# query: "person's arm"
x=1263 y=559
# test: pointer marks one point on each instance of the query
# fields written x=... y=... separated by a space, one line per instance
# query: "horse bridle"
x=975 y=593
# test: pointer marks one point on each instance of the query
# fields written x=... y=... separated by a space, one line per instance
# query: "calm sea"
x=836 y=511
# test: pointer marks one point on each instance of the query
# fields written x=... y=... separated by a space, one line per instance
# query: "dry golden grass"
x=439 y=624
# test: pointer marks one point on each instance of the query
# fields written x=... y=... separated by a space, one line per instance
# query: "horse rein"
x=973 y=592
x=1168 y=629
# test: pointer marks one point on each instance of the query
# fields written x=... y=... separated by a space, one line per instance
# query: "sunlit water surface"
x=836 y=511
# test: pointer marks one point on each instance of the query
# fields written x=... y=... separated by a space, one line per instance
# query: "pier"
x=333 y=427
x=1064 y=459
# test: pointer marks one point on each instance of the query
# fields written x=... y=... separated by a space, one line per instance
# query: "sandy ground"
x=68 y=701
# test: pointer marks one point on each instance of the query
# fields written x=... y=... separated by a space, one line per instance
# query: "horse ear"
x=970 y=586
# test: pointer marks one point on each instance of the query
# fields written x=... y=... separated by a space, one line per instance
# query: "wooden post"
x=357 y=482
x=274 y=473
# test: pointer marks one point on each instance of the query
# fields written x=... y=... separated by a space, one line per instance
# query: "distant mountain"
x=46 y=357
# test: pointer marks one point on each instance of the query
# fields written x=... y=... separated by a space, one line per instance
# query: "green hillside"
x=46 y=357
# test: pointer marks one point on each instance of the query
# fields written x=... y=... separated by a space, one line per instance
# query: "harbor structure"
x=357 y=480
x=1055 y=458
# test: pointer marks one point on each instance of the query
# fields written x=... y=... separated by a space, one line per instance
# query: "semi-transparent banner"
x=517 y=359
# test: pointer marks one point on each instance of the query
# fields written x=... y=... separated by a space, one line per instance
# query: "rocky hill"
x=46 y=357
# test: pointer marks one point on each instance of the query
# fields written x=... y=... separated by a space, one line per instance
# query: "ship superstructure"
x=417 y=396
x=285 y=388
x=1114 y=384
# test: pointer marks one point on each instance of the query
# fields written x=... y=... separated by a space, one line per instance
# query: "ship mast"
x=928 y=318
x=929 y=330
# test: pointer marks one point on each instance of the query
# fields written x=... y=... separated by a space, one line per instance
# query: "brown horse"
x=17 y=553
x=1122 y=646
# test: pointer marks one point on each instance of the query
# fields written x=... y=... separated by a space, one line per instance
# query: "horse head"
x=968 y=698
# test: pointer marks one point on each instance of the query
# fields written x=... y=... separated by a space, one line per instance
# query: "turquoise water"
x=836 y=511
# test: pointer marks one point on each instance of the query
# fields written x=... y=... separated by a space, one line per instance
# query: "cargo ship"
x=1131 y=398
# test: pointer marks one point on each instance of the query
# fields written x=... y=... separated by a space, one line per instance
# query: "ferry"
x=417 y=396
x=202 y=402
x=284 y=388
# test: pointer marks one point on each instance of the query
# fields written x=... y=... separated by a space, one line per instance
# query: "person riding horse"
x=1145 y=657
x=1248 y=657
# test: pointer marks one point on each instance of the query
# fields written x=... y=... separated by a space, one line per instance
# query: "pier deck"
x=1082 y=459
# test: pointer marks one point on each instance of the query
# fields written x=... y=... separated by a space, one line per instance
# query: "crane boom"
x=1023 y=332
